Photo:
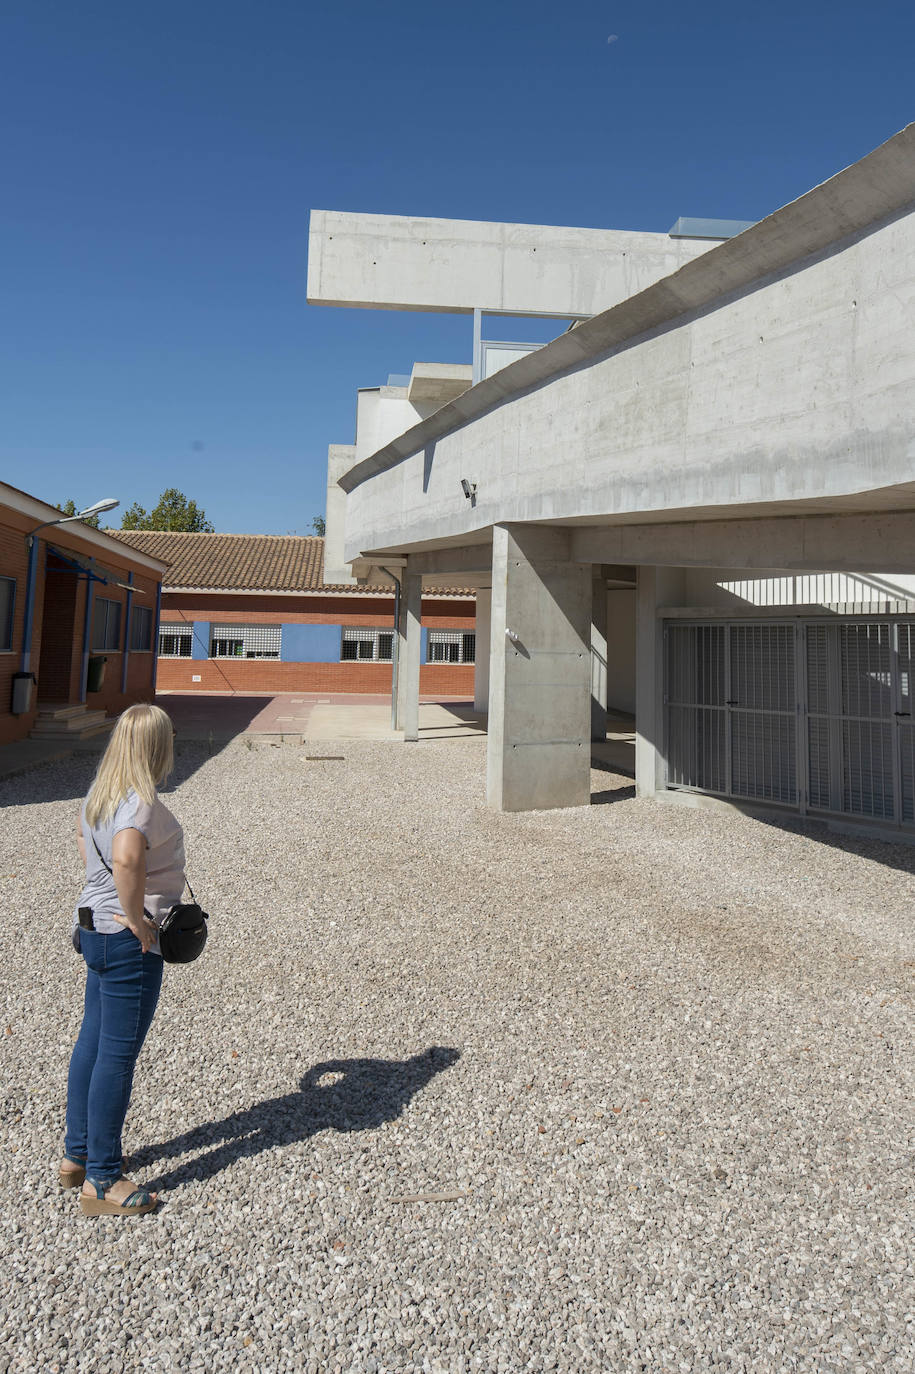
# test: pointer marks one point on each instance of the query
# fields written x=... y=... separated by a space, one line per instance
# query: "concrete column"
x=538 y=744
x=410 y=640
x=657 y=587
x=484 y=630
x=598 y=656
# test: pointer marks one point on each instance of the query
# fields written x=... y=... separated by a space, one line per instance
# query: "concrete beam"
x=837 y=543
x=399 y=262
x=539 y=730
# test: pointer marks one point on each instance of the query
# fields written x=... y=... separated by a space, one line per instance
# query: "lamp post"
x=108 y=503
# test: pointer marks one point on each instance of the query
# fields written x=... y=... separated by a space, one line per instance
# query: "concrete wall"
x=798 y=389
x=621 y=651
x=400 y=262
x=340 y=458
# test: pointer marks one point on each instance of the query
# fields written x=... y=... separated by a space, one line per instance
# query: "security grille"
x=731 y=710
x=175 y=641
x=367 y=646
x=450 y=646
x=245 y=641
x=735 y=694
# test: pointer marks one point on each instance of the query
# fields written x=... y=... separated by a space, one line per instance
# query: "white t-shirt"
x=164 y=862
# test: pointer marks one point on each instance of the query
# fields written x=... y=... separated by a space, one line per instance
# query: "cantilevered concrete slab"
x=399 y=262
x=775 y=372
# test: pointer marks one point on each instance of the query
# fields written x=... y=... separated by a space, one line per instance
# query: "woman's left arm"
x=80 y=838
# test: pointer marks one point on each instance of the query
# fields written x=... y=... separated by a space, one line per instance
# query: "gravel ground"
x=652 y=1065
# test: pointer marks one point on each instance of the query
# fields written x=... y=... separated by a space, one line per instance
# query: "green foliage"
x=317 y=525
x=71 y=508
x=174 y=512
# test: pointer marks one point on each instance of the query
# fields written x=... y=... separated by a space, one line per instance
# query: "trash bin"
x=96 y=674
x=22 y=693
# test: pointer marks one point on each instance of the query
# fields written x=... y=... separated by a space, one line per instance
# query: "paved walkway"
x=219 y=718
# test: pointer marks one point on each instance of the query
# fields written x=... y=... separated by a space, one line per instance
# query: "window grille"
x=106 y=624
x=140 y=629
x=7 y=595
x=368 y=646
x=451 y=646
x=245 y=641
x=175 y=641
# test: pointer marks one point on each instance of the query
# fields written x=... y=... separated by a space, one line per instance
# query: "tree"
x=71 y=508
x=174 y=512
x=317 y=525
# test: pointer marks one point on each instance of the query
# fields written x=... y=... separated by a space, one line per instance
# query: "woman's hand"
x=128 y=855
x=145 y=930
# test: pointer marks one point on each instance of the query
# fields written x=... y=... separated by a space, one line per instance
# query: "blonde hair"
x=140 y=755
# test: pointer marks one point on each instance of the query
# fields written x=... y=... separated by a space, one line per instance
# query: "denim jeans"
x=122 y=989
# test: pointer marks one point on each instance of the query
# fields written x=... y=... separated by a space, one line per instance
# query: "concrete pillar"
x=410 y=640
x=657 y=587
x=598 y=656
x=481 y=670
x=538 y=743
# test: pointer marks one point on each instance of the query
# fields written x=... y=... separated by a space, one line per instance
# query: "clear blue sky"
x=160 y=161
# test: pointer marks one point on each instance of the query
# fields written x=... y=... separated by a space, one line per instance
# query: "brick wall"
x=269 y=675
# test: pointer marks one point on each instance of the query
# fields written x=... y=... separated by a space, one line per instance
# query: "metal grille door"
x=736 y=693
x=731 y=710
x=859 y=718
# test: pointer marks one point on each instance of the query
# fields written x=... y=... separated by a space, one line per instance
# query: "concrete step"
x=69 y=723
x=52 y=710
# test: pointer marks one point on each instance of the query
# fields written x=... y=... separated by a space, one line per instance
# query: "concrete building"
x=77 y=623
x=697 y=504
x=253 y=613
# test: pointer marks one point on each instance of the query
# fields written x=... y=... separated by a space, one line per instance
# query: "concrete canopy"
x=773 y=374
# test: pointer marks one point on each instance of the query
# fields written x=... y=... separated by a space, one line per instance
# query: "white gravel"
x=663 y=1055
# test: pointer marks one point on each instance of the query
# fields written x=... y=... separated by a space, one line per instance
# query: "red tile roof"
x=245 y=562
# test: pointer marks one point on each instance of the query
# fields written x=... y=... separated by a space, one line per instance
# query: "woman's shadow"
x=338 y=1095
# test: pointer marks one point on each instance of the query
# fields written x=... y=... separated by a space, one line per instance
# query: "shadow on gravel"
x=69 y=779
x=614 y=794
x=338 y=1095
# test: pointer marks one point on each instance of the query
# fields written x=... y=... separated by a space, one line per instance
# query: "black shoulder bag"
x=183 y=933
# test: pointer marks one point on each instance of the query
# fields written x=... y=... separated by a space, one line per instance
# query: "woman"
x=133 y=849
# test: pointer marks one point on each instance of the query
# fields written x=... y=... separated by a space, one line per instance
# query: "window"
x=140 y=629
x=106 y=624
x=370 y=646
x=175 y=641
x=245 y=641
x=7 y=596
x=451 y=646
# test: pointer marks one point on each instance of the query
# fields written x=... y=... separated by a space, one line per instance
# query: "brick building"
x=70 y=596
x=251 y=613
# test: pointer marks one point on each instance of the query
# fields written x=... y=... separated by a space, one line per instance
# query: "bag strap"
x=111 y=871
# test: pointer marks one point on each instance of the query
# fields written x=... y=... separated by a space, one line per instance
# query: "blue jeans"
x=122 y=990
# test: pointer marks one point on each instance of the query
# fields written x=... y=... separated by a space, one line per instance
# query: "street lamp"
x=107 y=503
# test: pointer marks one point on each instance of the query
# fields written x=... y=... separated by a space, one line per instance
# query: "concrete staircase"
x=64 y=722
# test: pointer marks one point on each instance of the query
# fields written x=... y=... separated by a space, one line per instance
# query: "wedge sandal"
x=139 y=1201
x=75 y=1175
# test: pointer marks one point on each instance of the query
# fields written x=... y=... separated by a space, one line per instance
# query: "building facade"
x=252 y=613
x=696 y=504
x=77 y=622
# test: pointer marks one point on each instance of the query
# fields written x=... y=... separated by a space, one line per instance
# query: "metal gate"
x=810 y=714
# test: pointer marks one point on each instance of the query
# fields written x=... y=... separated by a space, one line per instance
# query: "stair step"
x=63 y=712
x=71 y=725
